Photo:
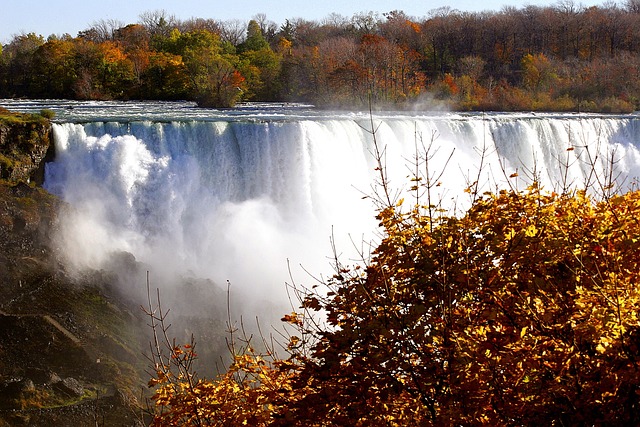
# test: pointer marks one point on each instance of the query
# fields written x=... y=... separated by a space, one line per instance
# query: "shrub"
x=47 y=114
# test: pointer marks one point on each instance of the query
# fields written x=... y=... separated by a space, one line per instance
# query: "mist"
x=211 y=205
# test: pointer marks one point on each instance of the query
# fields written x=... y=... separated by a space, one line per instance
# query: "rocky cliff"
x=70 y=347
x=25 y=141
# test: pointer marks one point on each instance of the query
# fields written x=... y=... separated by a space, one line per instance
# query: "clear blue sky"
x=71 y=16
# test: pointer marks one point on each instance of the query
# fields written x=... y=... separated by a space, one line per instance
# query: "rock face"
x=69 y=344
x=25 y=141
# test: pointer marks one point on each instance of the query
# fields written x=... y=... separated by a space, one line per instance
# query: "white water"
x=231 y=195
x=221 y=200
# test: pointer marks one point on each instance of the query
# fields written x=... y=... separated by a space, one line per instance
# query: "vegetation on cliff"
x=561 y=57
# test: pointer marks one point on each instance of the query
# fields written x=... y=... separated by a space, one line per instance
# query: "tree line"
x=560 y=57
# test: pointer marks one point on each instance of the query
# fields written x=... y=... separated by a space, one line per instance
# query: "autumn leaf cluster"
x=244 y=395
x=522 y=311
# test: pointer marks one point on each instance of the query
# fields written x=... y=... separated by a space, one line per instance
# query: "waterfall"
x=234 y=199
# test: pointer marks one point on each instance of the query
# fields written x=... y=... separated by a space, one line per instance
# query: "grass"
x=13 y=118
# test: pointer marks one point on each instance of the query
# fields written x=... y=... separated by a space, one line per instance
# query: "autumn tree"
x=54 y=68
x=135 y=42
x=18 y=60
x=165 y=77
x=260 y=65
x=345 y=76
x=537 y=72
x=115 y=71
x=214 y=79
x=470 y=74
x=102 y=70
x=133 y=37
x=438 y=32
x=520 y=311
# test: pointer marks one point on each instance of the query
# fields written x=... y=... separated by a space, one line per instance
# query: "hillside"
x=70 y=348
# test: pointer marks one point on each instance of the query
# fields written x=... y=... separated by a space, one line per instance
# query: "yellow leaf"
x=531 y=231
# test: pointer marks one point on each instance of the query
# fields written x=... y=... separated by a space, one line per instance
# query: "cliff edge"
x=25 y=142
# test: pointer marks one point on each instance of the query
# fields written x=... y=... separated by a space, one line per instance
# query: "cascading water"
x=231 y=195
x=222 y=200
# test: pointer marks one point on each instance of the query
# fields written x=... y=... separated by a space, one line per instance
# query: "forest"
x=564 y=57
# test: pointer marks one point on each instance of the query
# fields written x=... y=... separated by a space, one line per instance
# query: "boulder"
x=69 y=386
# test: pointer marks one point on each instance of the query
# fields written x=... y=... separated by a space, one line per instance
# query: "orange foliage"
x=112 y=52
x=244 y=395
x=414 y=26
x=523 y=311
